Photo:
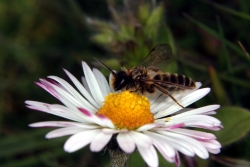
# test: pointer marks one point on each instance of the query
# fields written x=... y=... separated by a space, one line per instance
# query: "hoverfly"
x=147 y=76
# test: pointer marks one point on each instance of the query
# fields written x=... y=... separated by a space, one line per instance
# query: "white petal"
x=99 y=120
x=197 y=147
x=197 y=111
x=80 y=140
x=212 y=144
x=140 y=139
x=106 y=121
x=102 y=82
x=80 y=87
x=58 y=110
x=149 y=155
x=63 y=132
x=147 y=127
x=110 y=131
x=61 y=124
x=156 y=104
x=125 y=142
x=177 y=95
x=185 y=101
x=210 y=113
x=52 y=92
x=68 y=113
x=177 y=160
x=86 y=85
x=153 y=97
x=197 y=120
x=182 y=147
x=214 y=151
x=165 y=148
x=93 y=85
x=100 y=141
x=195 y=134
x=64 y=96
x=49 y=88
x=63 y=92
x=200 y=121
x=73 y=92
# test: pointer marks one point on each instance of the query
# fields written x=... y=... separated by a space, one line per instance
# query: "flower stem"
x=118 y=158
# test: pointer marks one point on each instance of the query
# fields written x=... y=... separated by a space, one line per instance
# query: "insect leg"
x=166 y=92
x=128 y=86
x=132 y=85
x=136 y=89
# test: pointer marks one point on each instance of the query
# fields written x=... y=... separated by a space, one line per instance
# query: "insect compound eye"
x=121 y=84
x=122 y=81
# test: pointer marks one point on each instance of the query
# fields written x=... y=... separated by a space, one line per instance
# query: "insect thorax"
x=138 y=73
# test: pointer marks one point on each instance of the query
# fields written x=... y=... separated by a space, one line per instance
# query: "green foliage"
x=218 y=89
x=37 y=38
x=235 y=127
x=134 y=31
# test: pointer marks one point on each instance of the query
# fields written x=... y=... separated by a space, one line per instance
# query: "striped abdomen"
x=174 y=82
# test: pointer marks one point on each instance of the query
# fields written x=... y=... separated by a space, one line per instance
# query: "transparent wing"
x=160 y=56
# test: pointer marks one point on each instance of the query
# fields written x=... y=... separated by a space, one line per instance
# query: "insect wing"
x=165 y=84
x=160 y=56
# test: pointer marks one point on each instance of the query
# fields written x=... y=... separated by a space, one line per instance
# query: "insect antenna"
x=105 y=66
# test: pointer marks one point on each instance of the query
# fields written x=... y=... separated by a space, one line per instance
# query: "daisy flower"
x=97 y=115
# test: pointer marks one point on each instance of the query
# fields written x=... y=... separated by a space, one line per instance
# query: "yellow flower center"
x=127 y=110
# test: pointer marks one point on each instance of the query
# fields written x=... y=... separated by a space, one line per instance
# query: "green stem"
x=118 y=158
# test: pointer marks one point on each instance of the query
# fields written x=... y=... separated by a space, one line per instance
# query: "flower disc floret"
x=127 y=110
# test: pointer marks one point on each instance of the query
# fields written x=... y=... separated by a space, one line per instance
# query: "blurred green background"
x=40 y=37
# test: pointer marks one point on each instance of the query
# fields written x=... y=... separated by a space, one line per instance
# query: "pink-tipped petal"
x=63 y=132
x=195 y=134
x=58 y=110
x=72 y=92
x=106 y=121
x=196 y=146
x=175 y=143
x=58 y=124
x=165 y=148
x=94 y=118
x=81 y=88
x=212 y=144
x=177 y=160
